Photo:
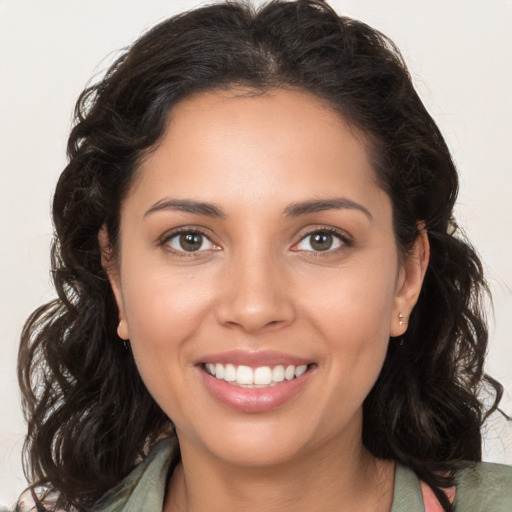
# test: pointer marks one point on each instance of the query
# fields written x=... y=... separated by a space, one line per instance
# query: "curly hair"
x=90 y=418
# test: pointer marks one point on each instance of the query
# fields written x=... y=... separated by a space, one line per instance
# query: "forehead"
x=284 y=145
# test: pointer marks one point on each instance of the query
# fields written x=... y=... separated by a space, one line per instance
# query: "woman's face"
x=259 y=280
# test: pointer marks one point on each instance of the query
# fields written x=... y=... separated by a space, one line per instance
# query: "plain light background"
x=460 y=56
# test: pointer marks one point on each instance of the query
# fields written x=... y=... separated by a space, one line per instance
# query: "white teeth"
x=289 y=373
x=244 y=375
x=278 y=374
x=219 y=371
x=229 y=373
x=262 y=376
x=300 y=370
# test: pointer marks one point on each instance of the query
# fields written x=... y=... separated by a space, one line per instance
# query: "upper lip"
x=254 y=359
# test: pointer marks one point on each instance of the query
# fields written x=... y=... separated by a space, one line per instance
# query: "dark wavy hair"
x=90 y=418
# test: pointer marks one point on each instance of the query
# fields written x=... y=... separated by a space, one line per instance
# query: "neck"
x=327 y=478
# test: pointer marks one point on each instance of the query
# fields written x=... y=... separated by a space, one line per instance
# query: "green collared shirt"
x=481 y=487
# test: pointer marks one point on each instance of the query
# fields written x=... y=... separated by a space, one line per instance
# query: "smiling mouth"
x=259 y=377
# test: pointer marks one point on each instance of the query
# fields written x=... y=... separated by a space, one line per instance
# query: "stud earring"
x=122 y=330
x=401 y=319
x=126 y=343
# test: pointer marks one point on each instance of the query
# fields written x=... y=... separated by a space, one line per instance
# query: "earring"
x=126 y=343
x=401 y=319
x=122 y=332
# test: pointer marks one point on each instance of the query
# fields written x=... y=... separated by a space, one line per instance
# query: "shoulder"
x=483 y=487
x=144 y=487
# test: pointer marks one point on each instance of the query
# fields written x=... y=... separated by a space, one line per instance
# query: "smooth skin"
x=257 y=269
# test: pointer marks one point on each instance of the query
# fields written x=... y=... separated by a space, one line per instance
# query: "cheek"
x=163 y=313
x=357 y=338
x=352 y=313
x=161 y=302
x=355 y=303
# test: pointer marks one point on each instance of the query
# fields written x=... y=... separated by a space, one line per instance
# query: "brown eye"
x=190 y=241
x=320 y=241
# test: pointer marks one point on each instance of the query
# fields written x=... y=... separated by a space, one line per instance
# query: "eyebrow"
x=188 y=206
x=293 y=210
x=338 y=203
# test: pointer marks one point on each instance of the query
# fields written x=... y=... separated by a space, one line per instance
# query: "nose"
x=255 y=296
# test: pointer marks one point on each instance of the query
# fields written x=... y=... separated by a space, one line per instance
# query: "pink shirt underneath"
x=430 y=500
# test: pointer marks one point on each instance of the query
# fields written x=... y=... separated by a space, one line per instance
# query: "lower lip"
x=254 y=399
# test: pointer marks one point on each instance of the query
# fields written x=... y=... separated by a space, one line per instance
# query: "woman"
x=264 y=303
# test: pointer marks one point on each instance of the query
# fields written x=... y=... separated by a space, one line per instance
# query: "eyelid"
x=342 y=235
x=163 y=241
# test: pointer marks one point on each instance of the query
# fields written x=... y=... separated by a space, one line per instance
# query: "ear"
x=409 y=283
x=109 y=264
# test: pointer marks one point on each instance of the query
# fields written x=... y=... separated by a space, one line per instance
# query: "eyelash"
x=164 y=242
x=340 y=235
